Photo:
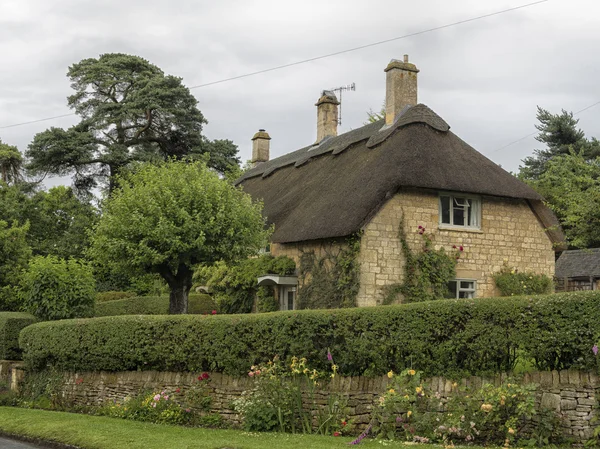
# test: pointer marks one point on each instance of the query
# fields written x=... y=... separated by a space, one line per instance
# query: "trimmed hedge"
x=11 y=324
x=444 y=337
x=153 y=305
x=113 y=296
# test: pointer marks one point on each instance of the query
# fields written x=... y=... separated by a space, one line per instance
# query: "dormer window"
x=460 y=211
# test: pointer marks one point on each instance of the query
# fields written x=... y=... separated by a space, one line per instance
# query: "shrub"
x=113 y=296
x=153 y=305
x=444 y=337
x=11 y=324
x=54 y=289
x=512 y=282
x=234 y=285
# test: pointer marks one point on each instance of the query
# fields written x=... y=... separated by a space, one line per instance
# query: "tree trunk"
x=180 y=285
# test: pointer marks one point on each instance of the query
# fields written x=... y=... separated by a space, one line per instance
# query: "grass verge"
x=98 y=432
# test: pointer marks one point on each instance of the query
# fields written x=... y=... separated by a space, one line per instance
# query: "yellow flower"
x=454 y=385
x=392 y=391
x=486 y=408
x=408 y=413
x=405 y=396
x=511 y=431
x=419 y=389
x=390 y=374
x=412 y=372
x=305 y=370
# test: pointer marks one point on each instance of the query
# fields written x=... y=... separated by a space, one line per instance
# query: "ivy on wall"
x=331 y=280
x=427 y=272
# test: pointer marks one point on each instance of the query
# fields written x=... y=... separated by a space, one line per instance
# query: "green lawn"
x=98 y=432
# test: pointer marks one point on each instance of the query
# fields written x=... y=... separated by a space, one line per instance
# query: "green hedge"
x=444 y=337
x=153 y=305
x=113 y=296
x=11 y=324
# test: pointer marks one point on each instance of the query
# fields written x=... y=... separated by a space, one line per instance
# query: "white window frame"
x=475 y=211
x=460 y=289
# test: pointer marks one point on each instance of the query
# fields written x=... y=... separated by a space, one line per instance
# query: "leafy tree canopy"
x=130 y=111
x=571 y=186
x=11 y=163
x=58 y=220
x=169 y=217
x=560 y=134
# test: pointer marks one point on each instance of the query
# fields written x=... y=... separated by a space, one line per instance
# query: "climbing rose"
x=214 y=312
x=205 y=376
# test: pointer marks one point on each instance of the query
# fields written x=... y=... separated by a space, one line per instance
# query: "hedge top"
x=445 y=337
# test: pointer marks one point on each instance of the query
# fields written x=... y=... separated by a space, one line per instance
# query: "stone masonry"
x=572 y=394
x=510 y=232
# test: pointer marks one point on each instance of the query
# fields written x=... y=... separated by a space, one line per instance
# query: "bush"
x=234 y=285
x=445 y=337
x=198 y=304
x=11 y=324
x=55 y=289
x=113 y=296
x=512 y=282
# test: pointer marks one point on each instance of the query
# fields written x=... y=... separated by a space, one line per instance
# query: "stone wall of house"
x=295 y=250
x=572 y=394
x=510 y=232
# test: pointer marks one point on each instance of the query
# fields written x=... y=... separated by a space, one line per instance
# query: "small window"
x=460 y=211
x=462 y=288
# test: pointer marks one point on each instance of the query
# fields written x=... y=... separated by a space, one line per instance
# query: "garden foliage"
x=55 y=289
x=153 y=305
x=11 y=324
x=512 y=282
x=234 y=286
x=445 y=337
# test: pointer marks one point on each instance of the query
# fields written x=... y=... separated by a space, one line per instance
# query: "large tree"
x=560 y=134
x=169 y=217
x=130 y=111
x=11 y=163
x=570 y=184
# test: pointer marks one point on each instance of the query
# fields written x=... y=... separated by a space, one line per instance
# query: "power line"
x=535 y=132
x=429 y=30
x=304 y=61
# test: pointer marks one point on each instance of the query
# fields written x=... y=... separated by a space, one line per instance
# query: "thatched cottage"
x=407 y=168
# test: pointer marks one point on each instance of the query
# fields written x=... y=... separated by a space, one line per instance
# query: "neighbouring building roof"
x=334 y=188
x=579 y=263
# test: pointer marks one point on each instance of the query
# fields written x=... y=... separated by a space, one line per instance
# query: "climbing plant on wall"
x=331 y=279
x=427 y=271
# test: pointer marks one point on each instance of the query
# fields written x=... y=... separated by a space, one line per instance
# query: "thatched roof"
x=333 y=189
x=579 y=263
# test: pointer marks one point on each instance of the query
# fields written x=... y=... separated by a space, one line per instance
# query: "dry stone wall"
x=572 y=394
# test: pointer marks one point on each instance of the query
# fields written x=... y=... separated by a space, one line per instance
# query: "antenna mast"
x=349 y=87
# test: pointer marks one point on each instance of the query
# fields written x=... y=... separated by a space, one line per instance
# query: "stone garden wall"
x=572 y=394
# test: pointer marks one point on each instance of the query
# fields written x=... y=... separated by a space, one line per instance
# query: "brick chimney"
x=400 y=88
x=260 y=147
x=327 y=115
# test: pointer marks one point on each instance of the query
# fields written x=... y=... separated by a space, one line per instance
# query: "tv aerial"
x=347 y=87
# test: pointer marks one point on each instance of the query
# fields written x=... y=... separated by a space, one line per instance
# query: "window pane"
x=467 y=285
x=290 y=304
x=459 y=216
x=452 y=286
x=445 y=206
x=467 y=295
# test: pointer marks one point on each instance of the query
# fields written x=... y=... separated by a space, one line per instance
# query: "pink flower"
x=166 y=397
x=187 y=410
x=257 y=372
x=79 y=381
x=157 y=397
x=214 y=312
x=595 y=349
x=251 y=374
x=329 y=356
x=178 y=390
x=336 y=434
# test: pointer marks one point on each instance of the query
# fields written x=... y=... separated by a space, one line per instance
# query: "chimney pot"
x=327 y=115
x=260 y=147
x=400 y=88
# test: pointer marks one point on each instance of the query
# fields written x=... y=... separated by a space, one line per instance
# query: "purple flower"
x=595 y=349
x=361 y=436
x=329 y=356
x=398 y=418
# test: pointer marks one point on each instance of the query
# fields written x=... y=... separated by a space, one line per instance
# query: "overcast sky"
x=484 y=78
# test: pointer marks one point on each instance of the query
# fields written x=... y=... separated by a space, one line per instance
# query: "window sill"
x=459 y=229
